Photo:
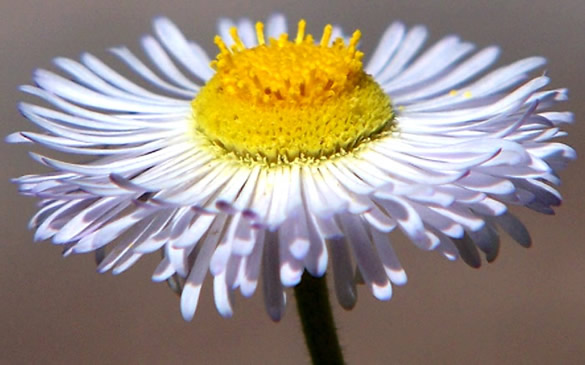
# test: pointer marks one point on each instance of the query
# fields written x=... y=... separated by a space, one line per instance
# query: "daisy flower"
x=285 y=154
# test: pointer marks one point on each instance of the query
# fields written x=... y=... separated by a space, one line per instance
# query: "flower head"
x=284 y=155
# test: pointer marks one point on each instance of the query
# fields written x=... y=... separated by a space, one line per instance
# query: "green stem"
x=317 y=320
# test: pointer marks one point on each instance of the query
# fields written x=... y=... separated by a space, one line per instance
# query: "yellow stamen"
x=301 y=31
x=326 y=35
x=239 y=45
x=221 y=45
x=260 y=33
x=355 y=38
x=286 y=100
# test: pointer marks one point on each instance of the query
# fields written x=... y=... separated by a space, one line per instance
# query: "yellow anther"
x=301 y=31
x=221 y=45
x=355 y=38
x=326 y=35
x=236 y=37
x=260 y=33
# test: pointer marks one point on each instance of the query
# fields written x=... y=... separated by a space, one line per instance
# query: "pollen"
x=285 y=99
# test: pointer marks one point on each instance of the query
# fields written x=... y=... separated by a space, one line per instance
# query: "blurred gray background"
x=526 y=308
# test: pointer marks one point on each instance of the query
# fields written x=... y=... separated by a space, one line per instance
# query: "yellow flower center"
x=287 y=99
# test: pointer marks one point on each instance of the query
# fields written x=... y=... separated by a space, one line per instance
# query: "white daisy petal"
x=514 y=228
x=467 y=251
x=163 y=271
x=486 y=240
x=177 y=45
x=277 y=213
x=244 y=239
x=234 y=272
x=163 y=62
x=491 y=84
x=247 y=32
x=178 y=259
x=275 y=25
x=124 y=246
x=125 y=262
x=440 y=56
x=392 y=266
x=291 y=268
x=463 y=72
x=192 y=287
x=409 y=46
x=50 y=221
x=349 y=180
x=315 y=201
x=106 y=233
x=345 y=286
x=246 y=193
x=84 y=218
x=387 y=45
x=294 y=234
x=380 y=220
x=447 y=248
x=407 y=218
x=316 y=258
x=224 y=249
x=263 y=195
x=326 y=226
x=368 y=262
x=146 y=73
x=274 y=296
x=110 y=75
x=223 y=296
x=252 y=267
x=355 y=203
x=157 y=233
x=82 y=95
x=89 y=79
x=228 y=195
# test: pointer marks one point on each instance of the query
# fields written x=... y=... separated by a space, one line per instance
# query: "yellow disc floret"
x=286 y=99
